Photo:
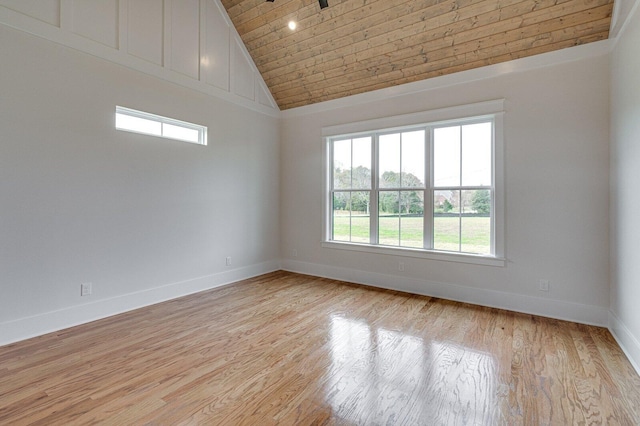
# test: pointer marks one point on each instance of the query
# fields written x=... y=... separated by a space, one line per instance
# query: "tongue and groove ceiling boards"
x=356 y=46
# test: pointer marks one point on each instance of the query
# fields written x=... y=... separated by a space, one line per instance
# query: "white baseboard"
x=48 y=322
x=627 y=341
x=24 y=328
x=576 y=312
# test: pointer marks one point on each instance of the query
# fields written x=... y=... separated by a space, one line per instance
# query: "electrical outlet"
x=294 y=253
x=401 y=266
x=85 y=289
x=228 y=260
x=543 y=285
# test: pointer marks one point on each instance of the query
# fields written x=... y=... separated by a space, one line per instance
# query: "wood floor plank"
x=286 y=348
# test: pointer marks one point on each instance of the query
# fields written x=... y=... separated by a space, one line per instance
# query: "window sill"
x=475 y=259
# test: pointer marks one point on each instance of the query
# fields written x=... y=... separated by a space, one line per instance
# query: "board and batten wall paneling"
x=242 y=81
x=185 y=37
x=214 y=63
x=47 y=11
x=187 y=42
x=145 y=29
x=96 y=20
x=263 y=94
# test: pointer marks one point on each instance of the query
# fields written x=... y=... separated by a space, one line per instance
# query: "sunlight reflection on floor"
x=382 y=376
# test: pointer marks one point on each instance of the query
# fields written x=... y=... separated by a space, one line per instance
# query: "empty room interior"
x=354 y=212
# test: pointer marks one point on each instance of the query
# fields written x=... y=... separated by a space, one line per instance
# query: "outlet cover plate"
x=543 y=285
x=85 y=289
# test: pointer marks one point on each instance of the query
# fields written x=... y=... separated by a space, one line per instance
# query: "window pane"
x=156 y=125
x=182 y=133
x=351 y=216
x=341 y=216
x=411 y=219
x=360 y=217
x=137 y=124
x=446 y=220
x=476 y=222
x=361 y=164
x=388 y=218
x=342 y=164
x=446 y=156
x=389 y=162
x=413 y=144
x=476 y=154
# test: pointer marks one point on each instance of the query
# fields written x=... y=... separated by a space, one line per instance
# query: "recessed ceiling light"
x=292 y=25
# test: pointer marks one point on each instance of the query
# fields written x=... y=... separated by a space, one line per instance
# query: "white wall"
x=557 y=182
x=625 y=180
x=141 y=218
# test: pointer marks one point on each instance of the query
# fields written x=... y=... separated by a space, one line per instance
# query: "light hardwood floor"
x=289 y=349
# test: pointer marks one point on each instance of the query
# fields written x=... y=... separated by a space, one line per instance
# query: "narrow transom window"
x=131 y=120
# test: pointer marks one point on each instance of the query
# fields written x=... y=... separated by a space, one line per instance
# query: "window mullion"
x=400 y=196
x=350 y=215
x=373 y=197
x=460 y=196
x=400 y=214
x=351 y=191
x=332 y=196
x=428 y=196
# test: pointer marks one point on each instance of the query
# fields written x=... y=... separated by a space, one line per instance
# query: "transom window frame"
x=429 y=120
x=163 y=122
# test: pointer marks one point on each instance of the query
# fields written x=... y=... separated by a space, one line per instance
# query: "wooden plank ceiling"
x=355 y=46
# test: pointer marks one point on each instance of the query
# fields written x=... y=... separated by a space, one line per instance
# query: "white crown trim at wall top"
x=478 y=74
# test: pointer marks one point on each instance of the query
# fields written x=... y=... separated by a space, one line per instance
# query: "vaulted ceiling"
x=355 y=46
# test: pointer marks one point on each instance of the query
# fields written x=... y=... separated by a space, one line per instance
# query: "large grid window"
x=429 y=187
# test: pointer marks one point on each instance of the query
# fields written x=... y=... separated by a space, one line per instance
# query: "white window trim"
x=493 y=109
x=202 y=130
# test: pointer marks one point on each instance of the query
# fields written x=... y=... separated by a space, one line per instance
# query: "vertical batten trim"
x=166 y=36
x=232 y=66
x=123 y=26
x=66 y=37
x=59 y=14
x=231 y=33
x=229 y=58
x=66 y=15
x=202 y=38
x=236 y=40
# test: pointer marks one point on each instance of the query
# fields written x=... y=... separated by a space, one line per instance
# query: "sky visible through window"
x=473 y=154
